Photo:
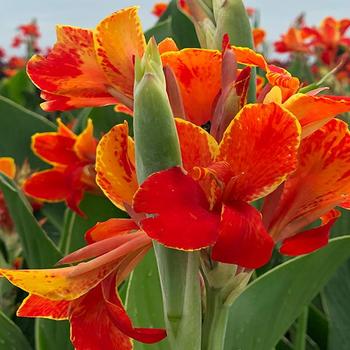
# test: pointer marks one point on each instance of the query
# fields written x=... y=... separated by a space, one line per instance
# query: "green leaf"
x=160 y=31
x=11 y=337
x=52 y=335
x=266 y=309
x=96 y=208
x=144 y=305
x=38 y=249
x=17 y=125
x=336 y=292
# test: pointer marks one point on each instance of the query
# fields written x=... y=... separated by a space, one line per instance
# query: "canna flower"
x=86 y=294
x=30 y=29
x=72 y=158
x=89 y=68
x=7 y=167
x=159 y=8
x=320 y=183
x=207 y=203
x=329 y=37
x=295 y=40
x=259 y=35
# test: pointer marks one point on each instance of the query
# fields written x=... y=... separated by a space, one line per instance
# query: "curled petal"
x=261 y=146
x=8 y=166
x=195 y=69
x=308 y=241
x=315 y=111
x=85 y=145
x=180 y=211
x=70 y=75
x=118 y=40
x=115 y=166
x=243 y=240
x=321 y=181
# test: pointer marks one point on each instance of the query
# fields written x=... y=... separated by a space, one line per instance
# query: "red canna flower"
x=159 y=8
x=17 y=41
x=209 y=205
x=30 y=29
x=320 y=183
x=295 y=40
x=72 y=158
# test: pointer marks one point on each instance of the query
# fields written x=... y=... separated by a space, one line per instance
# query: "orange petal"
x=70 y=71
x=249 y=57
x=8 y=166
x=54 y=148
x=72 y=282
x=118 y=40
x=115 y=166
x=198 y=73
x=198 y=148
x=258 y=36
x=35 y=306
x=261 y=146
x=85 y=145
x=166 y=45
x=110 y=228
x=315 y=111
x=321 y=181
x=48 y=185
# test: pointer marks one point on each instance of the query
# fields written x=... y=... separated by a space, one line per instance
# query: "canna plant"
x=219 y=172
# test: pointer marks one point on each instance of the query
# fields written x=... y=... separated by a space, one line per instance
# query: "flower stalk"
x=157 y=148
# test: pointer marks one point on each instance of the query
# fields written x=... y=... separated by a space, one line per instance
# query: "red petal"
x=182 y=218
x=35 y=306
x=307 y=241
x=243 y=239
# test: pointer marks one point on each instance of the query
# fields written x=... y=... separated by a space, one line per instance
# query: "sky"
x=276 y=15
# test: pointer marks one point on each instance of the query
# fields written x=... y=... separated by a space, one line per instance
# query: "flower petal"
x=118 y=40
x=194 y=70
x=8 y=166
x=166 y=45
x=308 y=241
x=315 y=111
x=115 y=166
x=243 y=240
x=198 y=148
x=35 y=306
x=180 y=211
x=321 y=181
x=261 y=146
x=40 y=185
x=110 y=228
x=71 y=71
x=85 y=145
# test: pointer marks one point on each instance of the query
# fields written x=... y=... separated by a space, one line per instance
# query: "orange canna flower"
x=159 y=8
x=259 y=35
x=91 y=67
x=320 y=183
x=295 y=40
x=72 y=158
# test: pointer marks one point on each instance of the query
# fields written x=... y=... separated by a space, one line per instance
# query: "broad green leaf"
x=38 y=249
x=17 y=125
x=265 y=310
x=335 y=295
x=160 y=31
x=52 y=335
x=97 y=209
x=144 y=300
x=11 y=337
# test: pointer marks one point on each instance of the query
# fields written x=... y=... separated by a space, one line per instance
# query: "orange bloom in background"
x=72 y=158
x=295 y=40
x=320 y=183
x=329 y=37
x=259 y=36
x=91 y=67
x=159 y=8
x=7 y=167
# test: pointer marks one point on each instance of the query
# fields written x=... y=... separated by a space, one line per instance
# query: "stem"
x=215 y=322
x=301 y=332
x=179 y=278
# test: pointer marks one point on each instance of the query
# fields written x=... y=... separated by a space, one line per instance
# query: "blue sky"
x=276 y=14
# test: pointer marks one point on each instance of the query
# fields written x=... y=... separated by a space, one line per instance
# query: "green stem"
x=301 y=332
x=215 y=321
